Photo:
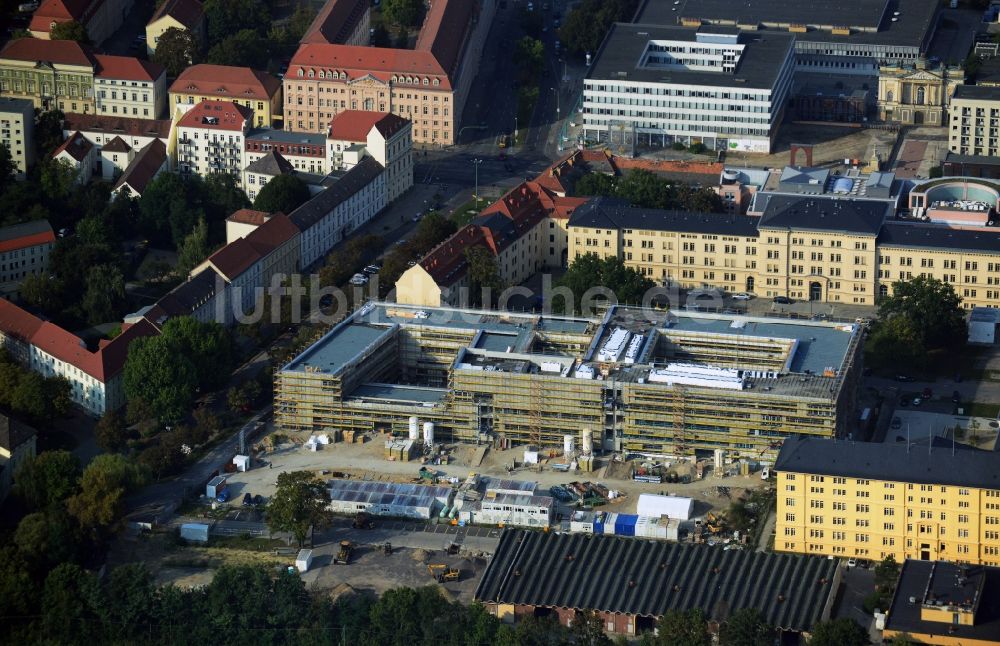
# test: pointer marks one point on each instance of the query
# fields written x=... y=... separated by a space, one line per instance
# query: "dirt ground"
x=366 y=461
x=831 y=144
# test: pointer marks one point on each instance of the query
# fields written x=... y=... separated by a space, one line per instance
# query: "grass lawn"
x=465 y=213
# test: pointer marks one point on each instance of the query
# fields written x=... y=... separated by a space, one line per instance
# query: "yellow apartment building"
x=874 y=500
x=254 y=89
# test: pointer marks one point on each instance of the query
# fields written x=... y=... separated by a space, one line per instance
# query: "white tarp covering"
x=655 y=506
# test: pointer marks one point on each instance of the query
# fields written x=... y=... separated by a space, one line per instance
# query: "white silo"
x=414 y=429
x=586 y=441
x=569 y=443
x=428 y=433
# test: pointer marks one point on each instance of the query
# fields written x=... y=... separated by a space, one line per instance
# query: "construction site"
x=652 y=382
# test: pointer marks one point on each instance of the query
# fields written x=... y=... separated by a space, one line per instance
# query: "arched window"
x=312 y=73
x=437 y=82
x=888 y=95
x=920 y=96
x=426 y=82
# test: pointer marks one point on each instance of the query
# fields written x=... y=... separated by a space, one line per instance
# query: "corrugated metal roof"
x=646 y=577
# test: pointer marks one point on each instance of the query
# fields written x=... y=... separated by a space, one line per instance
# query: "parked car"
x=918 y=400
x=247 y=500
x=359 y=279
x=904 y=378
x=783 y=300
x=956 y=397
x=223 y=496
x=852 y=562
x=896 y=423
x=372 y=269
x=742 y=296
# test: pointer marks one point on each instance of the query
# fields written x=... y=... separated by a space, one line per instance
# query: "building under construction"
x=648 y=381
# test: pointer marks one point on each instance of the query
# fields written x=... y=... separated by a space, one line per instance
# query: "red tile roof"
x=226 y=81
x=357 y=62
x=217 y=115
x=444 y=32
x=272 y=234
x=26 y=234
x=143 y=167
x=63 y=52
x=77 y=146
x=354 y=125
x=116 y=145
x=105 y=363
x=103 y=123
x=240 y=254
x=187 y=12
x=249 y=216
x=18 y=323
x=336 y=21
x=63 y=11
x=128 y=68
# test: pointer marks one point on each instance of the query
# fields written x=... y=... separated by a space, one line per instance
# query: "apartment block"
x=130 y=87
x=386 y=137
x=253 y=89
x=974 y=121
x=929 y=501
x=718 y=86
x=24 y=251
x=17 y=132
x=63 y=80
x=134 y=135
x=210 y=138
x=101 y=18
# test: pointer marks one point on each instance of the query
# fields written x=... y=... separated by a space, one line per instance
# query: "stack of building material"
x=586 y=463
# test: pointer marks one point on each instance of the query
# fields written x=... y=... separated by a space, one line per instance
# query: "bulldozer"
x=344 y=555
x=441 y=572
x=713 y=523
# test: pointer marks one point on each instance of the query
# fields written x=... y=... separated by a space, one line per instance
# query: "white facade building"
x=716 y=86
x=210 y=138
x=17 y=132
x=24 y=251
x=331 y=216
x=130 y=87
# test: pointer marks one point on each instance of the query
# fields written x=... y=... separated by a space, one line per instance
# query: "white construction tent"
x=387 y=498
x=655 y=506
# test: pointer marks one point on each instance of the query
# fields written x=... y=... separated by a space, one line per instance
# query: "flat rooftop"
x=788 y=357
x=336 y=348
x=870 y=21
x=619 y=57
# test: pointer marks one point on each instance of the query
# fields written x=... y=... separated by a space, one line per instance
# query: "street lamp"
x=475 y=163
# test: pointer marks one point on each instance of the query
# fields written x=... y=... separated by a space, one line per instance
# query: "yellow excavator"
x=442 y=573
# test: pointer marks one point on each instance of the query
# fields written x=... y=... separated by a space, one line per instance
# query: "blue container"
x=598 y=527
x=625 y=524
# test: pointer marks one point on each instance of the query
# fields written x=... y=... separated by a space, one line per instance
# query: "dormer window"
x=426 y=82
x=322 y=75
x=300 y=72
x=312 y=73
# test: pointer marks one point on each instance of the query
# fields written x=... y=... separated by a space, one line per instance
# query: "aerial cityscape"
x=500 y=322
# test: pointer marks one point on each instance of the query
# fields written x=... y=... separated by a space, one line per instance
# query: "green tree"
x=588 y=23
x=300 y=502
x=529 y=55
x=111 y=433
x=47 y=538
x=483 y=274
x=105 y=482
x=886 y=574
x=405 y=13
x=70 y=30
x=588 y=271
x=48 y=479
x=746 y=627
x=245 y=48
x=843 y=631
x=193 y=250
x=895 y=344
x=48 y=132
x=300 y=21
x=588 y=629
x=643 y=188
x=176 y=50
x=128 y=602
x=933 y=309
x=208 y=346
x=595 y=184
x=69 y=600
x=105 y=296
x=228 y=17
x=18 y=592
x=58 y=178
x=284 y=193
x=432 y=229
x=7 y=167
x=157 y=374
x=682 y=628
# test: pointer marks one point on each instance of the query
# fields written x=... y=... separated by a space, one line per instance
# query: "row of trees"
x=625 y=284
x=645 y=189
x=29 y=395
x=586 y=25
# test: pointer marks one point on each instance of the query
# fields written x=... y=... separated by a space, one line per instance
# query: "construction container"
x=625 y=524
x=304 y=560
x=586 y=463
x=582 y=522
x=654 y=506
x=242 y=462
x=195 y=532
x=215 y=486
x=609 y=523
